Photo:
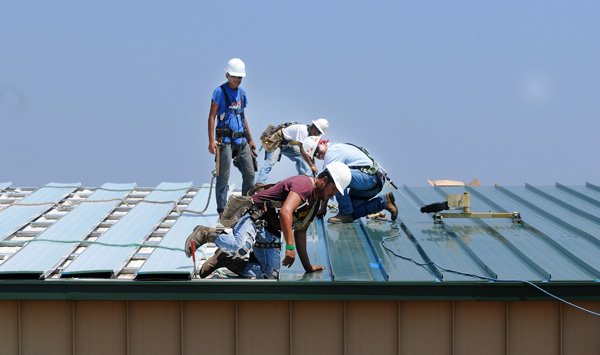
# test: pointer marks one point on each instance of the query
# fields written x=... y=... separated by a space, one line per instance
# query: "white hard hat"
x=341 y=175
x=310 y=145
x=322 y=125
x=236 y=67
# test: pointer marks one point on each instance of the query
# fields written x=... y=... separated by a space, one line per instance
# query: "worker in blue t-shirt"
x=367 y=180
x=231 y=140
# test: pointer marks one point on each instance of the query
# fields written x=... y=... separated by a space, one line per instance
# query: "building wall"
x=297 y=327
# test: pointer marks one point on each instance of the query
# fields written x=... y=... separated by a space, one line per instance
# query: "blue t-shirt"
x=231 y=117
x=346 y=154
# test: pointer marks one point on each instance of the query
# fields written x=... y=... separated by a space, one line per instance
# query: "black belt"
x=228 y=133
x=274 y=245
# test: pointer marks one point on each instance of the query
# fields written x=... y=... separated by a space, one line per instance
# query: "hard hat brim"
x=337 y=186
x=319 y=128
x=241 y=75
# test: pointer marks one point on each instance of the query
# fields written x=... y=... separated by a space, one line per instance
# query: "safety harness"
x=372 y=169
x=226 y=132
x=264 y=214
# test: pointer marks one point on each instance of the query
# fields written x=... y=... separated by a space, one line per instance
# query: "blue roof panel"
x=166 y=263
x=316 y=246
x=40 y=257
x=558 y=241
x=105 y=260
x=18 y=215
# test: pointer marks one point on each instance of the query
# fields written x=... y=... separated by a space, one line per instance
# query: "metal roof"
x=122 y=233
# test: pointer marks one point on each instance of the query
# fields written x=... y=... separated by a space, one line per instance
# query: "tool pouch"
x=235 y=208
x=271 y=138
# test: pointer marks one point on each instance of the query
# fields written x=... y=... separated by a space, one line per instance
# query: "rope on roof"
x=71 y=203
x=387 y=247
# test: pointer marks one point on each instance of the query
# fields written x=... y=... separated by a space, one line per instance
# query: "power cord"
x=69 y=203
x=387 y=247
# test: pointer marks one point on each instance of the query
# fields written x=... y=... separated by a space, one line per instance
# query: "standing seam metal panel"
x=350 y=256
x=16 y=217
x=541 y=241
x=316 y=247
x=436 y=243
x=163 y=262
x=40 y=258
x=570 y=236
x=491 y=246
x=133 y=228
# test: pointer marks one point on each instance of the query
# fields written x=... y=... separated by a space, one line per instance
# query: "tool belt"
x=371 y=171
x=221 y=133
x=367 y=169
x=266 y=214
x=273 y=245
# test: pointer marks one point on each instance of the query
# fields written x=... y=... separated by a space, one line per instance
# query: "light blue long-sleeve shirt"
x=347 y=154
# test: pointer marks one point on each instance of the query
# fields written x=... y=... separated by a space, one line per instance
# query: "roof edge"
x=258 y=290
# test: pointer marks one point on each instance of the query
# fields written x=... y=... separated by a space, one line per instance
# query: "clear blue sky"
x=119 y=91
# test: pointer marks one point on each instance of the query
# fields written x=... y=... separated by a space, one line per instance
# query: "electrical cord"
x=388 y=248
x=129 y=245
x=70 y=204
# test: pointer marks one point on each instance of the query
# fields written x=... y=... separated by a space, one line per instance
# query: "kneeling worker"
x=367 y=180
x=298 y=199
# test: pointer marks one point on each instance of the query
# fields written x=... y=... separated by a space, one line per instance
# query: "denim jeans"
x=241 y=242
x=242 y=161
x=290 y=151
x=363 y=187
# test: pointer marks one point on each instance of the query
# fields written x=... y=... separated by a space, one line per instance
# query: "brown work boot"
x=219 y=260
x=390 y=205
x=341 y=218
x=200 y=236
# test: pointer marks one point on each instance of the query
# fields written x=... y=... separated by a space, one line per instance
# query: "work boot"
x=200 y=236
x=219 y=260
x=341 y=218
x=390 y=205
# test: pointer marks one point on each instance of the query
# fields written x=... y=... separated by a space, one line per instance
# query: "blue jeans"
x=290 y=151
x=242 y=161
x=241 y=242
x=363 y=187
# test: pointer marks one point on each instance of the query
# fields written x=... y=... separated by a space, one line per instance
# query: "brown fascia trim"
x=240 y=290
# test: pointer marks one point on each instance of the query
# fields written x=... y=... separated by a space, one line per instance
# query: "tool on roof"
x=194 y=260
x=463 y=201
x=387 y=177
x=218 y=159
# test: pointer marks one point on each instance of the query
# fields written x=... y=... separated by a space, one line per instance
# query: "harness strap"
x=232 y=134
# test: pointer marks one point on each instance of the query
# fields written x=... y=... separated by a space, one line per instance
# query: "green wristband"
x=290 y=247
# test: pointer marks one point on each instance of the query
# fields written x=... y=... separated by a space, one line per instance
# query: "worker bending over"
x=298 y=198
x=286 y=139
x=367 y=179
x=230 y=140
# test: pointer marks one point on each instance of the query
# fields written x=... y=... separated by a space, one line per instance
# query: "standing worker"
x=287 y=139
x=231 y=139
x=367 y=180
x=286 y=208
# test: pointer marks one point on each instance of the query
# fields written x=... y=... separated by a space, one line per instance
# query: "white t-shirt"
x=296 y=132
